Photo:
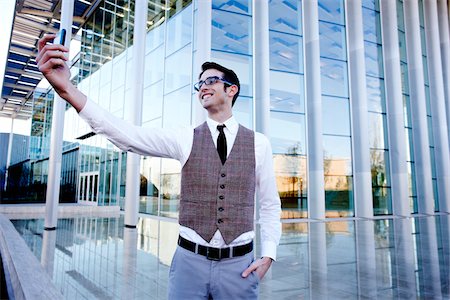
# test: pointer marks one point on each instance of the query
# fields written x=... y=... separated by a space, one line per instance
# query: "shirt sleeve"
x=166 y=143
x=269 y=200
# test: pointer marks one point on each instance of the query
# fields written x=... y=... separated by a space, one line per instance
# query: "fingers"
x=49 y=59
x=44 y=47
x=250 y=269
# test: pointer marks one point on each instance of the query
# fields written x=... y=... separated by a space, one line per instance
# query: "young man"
x=223 y=166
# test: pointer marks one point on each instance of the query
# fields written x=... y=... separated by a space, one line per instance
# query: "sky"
x=6 y=15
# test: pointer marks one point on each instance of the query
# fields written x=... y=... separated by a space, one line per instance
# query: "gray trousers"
x=193 y=276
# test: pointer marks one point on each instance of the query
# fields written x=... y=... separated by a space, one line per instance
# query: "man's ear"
x=233 y=89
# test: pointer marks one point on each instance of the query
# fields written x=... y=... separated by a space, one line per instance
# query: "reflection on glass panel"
x=243 y=111
x=382 y=204
x=287 y=133
x=287 y=92
x=374 y=59
x=285 y=16
x=332 y=11
x=178 y=70
x=149 y=185
x=376 y=132
x=334 y=77
x=154 y=66
x=332 y=41
x=337 y=155
x=335 y=116
x=175 y=6
x=152 y=102
x=155 y=34
x=170 y=187
x=286 y=52
x=338 y=196
x=375 y=94
x=290 y=171
x=177 y=107
x=179 y=31
x=241 y=65
x=231 y=32
x=237 y=6
x=378 y=163
x=372 y=26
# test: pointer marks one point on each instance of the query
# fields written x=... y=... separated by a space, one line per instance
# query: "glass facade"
x=96 y=169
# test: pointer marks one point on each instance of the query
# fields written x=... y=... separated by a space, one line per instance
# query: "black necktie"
x=222 y=144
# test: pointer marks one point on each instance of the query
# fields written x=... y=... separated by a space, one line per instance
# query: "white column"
x=443 y=15
x=419 y=120
x=8 y=156
x=48 y=251
x=137 y=88
x=439 y=122
x=394 y=103
x=202 y=41
x=261 y=66
x=56 y=137
x=362 y=178
x=129 y=268
x=316 y=191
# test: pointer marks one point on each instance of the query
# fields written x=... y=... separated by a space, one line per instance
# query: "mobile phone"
x=60 y=37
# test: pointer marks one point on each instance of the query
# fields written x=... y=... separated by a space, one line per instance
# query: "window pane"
x=286 y=52
x=231 y=32
x=335 y=116
x=287 y=92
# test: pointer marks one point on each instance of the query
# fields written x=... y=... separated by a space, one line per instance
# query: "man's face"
x=213 y=96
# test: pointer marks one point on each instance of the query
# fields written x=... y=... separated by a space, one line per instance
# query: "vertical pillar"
x=129 y=268
x=439 y=122
x=48 y=251
x=56 y=137
x=8 y=157
x=419 y=119
x=318 y=264
x=443 y=16
x=394 y=103
x=202 y=40
x=261 y=65
x=137 y=88
x=358 y=99
x=316 y=194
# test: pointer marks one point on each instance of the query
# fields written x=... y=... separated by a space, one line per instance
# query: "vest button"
x=220 y=208
x=223 y=175
x=221 y=197
x=222 y=186
x=219 y=221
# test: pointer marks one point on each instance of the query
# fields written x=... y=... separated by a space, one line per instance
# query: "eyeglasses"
x=210 y=81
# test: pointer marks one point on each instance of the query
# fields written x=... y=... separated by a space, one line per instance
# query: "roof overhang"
x=32 y=19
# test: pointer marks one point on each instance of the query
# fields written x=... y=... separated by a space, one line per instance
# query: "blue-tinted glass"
x=241 y=64
x=287 y=131
x=375 y=94
x=154 y=38
x=177 y=108
x=332 y=41
x=237 y=6
x=179 y=31
x=337 y=155
x=152 y=102
x=287 y=92
x=400 y=16
x=285 y=16
x=335 y=116
x=243 y=111
x=332 y=11
x=178 y=70
x=334 y=77
x=231 y=32
x=286 y=52
x=372 y=26
x=374 y=59
x=154 y=66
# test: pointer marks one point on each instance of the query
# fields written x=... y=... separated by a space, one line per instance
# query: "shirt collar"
x=231 y=124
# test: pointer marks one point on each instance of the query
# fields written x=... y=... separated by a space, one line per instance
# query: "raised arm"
x=51 y=61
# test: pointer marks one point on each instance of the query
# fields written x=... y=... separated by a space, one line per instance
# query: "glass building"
x=353 y=95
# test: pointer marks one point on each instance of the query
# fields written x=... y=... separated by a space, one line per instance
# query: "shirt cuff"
x=269 y=249
x=87 y=110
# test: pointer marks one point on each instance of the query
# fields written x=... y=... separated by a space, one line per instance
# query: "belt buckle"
x=213 y=253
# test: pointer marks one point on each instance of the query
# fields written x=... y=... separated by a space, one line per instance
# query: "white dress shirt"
x=177 y=144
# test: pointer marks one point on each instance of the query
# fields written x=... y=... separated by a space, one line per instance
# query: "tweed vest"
x=216 y=196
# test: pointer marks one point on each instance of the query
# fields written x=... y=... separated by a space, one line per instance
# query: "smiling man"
x=224 y=165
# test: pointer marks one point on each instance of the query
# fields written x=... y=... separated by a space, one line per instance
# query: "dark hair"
x=228 y=75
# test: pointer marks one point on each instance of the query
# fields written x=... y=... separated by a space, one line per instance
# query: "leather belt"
x=215 y=253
